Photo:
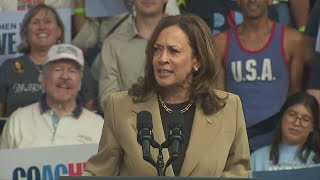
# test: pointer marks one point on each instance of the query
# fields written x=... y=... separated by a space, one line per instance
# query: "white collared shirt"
x=28 y=127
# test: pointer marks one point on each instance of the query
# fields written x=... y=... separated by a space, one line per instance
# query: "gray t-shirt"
x=19 y=84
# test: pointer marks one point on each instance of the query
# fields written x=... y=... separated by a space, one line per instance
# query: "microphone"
x=145 y=135
x=175 y=136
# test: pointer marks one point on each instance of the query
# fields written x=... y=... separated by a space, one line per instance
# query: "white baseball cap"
x=64 y=51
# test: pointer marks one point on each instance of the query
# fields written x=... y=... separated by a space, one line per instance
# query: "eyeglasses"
x=293 y=116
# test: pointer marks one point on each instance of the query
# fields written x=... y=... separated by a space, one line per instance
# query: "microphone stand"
x=159 y=165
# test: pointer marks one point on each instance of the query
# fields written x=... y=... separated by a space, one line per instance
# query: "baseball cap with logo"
x=64 y=51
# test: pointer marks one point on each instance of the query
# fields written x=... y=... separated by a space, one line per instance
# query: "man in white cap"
x=57 y=119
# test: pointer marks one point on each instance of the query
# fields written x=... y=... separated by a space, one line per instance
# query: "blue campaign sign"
x=311 y=173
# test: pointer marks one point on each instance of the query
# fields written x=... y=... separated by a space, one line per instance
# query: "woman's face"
x=173 y=61
x=297 y=124
x=43 y=30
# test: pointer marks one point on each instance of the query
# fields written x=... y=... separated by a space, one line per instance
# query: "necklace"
x=163 y=104
x=37 y=66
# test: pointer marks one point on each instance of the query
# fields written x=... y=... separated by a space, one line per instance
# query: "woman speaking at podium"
x=181 y=68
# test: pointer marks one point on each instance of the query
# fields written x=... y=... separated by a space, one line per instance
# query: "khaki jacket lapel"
x=204 y=129
x=153 y=107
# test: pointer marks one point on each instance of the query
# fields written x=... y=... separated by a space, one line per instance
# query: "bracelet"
x=302 y=29
x=182 y=2
x=79 y=10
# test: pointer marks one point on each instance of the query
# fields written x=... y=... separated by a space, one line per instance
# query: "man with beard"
x=263 y=64
x=57 y=119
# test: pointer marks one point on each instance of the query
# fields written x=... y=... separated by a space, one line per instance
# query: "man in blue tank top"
x=263 y=63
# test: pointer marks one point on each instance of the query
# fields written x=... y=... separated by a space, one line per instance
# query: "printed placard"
x=45 y=163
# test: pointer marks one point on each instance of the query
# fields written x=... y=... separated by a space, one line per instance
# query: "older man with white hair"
x=57 y=119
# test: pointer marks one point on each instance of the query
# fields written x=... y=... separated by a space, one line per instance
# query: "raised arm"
x=299 y=11
x=79 y=18
x=85 y=30
x=220 y=40
x=297 y=55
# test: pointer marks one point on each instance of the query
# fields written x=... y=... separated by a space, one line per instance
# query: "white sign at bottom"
x=45 y=163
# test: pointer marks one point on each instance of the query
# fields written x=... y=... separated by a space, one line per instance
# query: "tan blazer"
x=218 y=144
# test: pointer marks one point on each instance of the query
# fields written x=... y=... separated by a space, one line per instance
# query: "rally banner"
x=10 y=22
x=48 y=163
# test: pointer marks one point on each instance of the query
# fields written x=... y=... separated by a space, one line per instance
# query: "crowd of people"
x=244 y=74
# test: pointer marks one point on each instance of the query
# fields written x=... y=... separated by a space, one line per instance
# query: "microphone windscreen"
x=144 y=120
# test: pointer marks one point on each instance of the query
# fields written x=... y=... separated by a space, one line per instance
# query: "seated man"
x=57 y=119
